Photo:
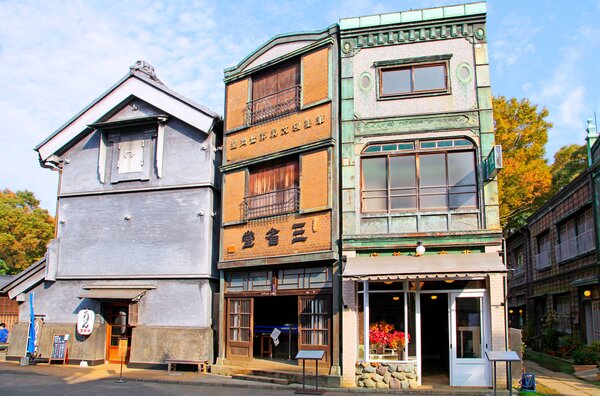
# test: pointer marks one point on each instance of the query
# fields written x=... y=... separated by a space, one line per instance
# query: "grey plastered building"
x=136 y=228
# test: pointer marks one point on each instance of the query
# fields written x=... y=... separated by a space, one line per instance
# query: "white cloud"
x=511 y=46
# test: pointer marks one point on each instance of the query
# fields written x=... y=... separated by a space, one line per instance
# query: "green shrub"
x=586 y=355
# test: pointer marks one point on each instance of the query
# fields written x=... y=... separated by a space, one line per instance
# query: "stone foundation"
x=387 y=375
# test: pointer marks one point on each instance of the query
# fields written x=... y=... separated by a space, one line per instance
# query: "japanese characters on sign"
x=276 y=132
x=85 y=321
x=272 y=236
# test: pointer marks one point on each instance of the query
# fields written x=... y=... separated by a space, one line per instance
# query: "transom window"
x=413 y=79
x=421 y=175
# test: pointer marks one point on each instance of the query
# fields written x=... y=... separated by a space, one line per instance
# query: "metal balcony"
x=272 y=203
x=273 y=106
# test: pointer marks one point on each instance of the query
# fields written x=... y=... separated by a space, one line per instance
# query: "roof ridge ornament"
x=147 y=69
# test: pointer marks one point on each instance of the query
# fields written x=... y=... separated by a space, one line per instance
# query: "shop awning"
x=428 y=266
x=129 y=294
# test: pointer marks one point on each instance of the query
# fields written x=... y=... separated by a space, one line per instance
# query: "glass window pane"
x=403 y=172
x=432 y=170
x=468 y=327
x=395 y=81
x=374 y=174
x=389 y=147
x=428 y=144
x=387 y=337
x=430 y=78
x=464 y=200
x=373 y=149
x=433 y=201
x=403 y=202
x=461 y=169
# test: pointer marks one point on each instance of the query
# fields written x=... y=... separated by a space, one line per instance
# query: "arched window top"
x=399 y=147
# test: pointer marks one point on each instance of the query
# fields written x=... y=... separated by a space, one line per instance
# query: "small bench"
x=172 y=364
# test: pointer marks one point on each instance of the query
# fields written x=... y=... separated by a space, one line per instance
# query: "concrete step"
x=258 y=378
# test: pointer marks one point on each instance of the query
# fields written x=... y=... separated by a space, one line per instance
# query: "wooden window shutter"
x=133 y=314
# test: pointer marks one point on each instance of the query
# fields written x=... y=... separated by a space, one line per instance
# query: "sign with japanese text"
x=85 y=321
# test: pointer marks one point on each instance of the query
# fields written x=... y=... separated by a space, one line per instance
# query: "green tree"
x=525 y=179
x=569 y=162
x=25 y=229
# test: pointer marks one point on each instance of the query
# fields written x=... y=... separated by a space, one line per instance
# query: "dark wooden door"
x=240 y=325
x=314 y=325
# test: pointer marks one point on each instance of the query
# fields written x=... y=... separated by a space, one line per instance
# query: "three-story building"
x=423 y=275
x=279 y=238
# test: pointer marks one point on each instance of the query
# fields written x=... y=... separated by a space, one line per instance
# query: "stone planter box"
x=387 y=375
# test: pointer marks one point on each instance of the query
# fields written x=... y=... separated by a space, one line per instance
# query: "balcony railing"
x=273 y=106
x=542 y=260
x=575 y=246
x=272 y=203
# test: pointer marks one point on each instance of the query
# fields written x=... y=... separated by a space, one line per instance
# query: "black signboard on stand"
x=60 y=348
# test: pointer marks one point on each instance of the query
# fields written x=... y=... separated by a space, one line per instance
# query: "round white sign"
x=85 y=321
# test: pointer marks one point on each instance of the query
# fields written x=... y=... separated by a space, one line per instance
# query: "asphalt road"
x=42 y=385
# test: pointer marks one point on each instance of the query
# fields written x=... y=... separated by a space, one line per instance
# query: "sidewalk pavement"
x=76 y=374
x=563 y=384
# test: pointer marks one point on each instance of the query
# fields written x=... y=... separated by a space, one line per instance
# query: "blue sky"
x=56 y=57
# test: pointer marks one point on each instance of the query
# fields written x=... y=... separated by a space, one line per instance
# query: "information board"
x=59 y=347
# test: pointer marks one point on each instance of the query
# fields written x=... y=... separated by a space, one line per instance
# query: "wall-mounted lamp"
x=201 y=213
x=62 y=221
x=395 y=298
x=449 y=280
x=520 y=311
x=510 y=311
x=587 y=293
x=420 y=249
x=388 y=282
x=434 y=297
x=127 y=217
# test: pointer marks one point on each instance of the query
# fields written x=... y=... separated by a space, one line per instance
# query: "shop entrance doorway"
x=435 y=338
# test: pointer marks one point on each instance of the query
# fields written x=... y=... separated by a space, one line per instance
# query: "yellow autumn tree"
x=525 y=179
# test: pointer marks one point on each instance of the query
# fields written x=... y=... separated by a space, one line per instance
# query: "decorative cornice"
x=354 y=41
x=414 y=124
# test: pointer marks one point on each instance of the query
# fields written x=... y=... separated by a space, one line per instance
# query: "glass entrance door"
x=468 y=324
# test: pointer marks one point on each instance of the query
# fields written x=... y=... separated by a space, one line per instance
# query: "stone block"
x=377 y=377
x=411 y=375
x=409 y=368
x=381 y=370
x=404 y=384
x=413 y=384
x=369 y=383
x=382 y=385
x=399 y=375
x=387 y=377
x=370 y=369
x=395 y=383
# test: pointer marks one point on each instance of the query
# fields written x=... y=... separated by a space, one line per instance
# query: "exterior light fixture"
x=420 y=249
x=127 y=217
x=510 y=311
x=587 y=293
x=388 y=282
x=449 y=280
x=434 y=297
x=520 y=311
x=395 y=298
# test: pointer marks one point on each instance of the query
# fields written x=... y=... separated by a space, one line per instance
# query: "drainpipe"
x=504 y=258
x=591 y=138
